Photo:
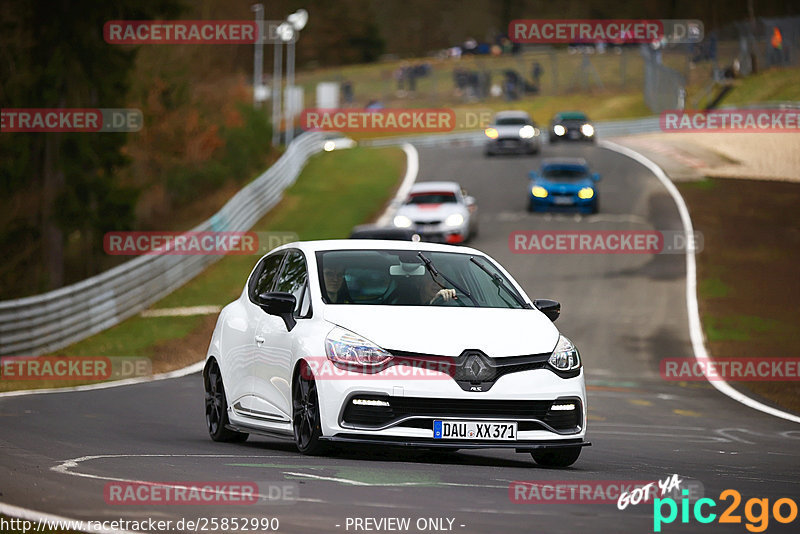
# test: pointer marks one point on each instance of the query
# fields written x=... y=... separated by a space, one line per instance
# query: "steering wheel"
x=439 y=299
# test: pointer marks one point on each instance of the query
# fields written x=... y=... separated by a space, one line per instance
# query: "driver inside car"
x=336 y=285
x=431 y=292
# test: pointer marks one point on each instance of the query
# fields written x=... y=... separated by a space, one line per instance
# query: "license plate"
x=474 y=430
x=562 y=200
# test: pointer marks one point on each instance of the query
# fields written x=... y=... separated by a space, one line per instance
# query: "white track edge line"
x=695 y=326
x=412 y=169
x=191 y=369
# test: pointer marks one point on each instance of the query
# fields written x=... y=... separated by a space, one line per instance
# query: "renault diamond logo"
x=475 y=367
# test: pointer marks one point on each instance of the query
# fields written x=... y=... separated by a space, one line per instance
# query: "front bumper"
x=439 y=233
x=518 y=446
x=566 y=203
x=572 y=134
x=523 y=397
x=512 y=145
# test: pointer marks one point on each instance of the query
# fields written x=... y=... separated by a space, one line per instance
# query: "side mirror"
x=596 y=177
x=469 y=201
x=550 y=308
x=279 y=304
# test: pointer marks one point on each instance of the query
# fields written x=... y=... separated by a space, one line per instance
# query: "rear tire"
x=561 y=457
x=217 y=407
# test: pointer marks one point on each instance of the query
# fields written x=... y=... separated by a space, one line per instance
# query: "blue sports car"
x=563 y=184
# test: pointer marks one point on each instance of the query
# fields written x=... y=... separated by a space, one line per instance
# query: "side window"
x=293 y=278
x=265 y=274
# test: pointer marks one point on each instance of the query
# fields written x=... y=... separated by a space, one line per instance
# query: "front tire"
x=561 y=457
x=306 y=420
x=217 y=407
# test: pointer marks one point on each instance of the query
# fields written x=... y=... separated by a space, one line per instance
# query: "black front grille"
x=472 y=369
x=427 y=410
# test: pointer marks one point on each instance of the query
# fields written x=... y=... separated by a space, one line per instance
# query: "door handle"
x=260 y=340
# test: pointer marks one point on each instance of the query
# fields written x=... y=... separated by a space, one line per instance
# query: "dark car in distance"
x=571 y=126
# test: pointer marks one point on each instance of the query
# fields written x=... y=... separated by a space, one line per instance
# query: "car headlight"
x=527 y=131
x=539 y=191
x=559 y=130
x=454 y=219
x=346 y=348
x=401 y=221
x=329 y=146
x=587 y=130
x=491 y=133
x=565 y=356
x=586 y=193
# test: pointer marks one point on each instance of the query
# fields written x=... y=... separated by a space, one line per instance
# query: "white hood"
x=448 y=331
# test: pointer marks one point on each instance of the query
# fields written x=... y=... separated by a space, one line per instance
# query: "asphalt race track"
x=625 y=312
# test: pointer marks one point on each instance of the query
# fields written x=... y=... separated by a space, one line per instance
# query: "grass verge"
x=747 y=273
x=335 y=191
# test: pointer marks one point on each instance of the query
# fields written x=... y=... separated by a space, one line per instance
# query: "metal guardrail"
x=47 y=322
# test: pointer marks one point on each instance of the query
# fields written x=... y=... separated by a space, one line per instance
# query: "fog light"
x=562 y=407
x=370 y=402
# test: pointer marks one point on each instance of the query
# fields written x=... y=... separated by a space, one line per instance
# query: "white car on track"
x=440 y=212
x=394 y=343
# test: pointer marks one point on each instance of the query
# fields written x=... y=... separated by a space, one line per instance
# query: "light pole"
x=297 y=21
x=258 y=54
x=276 y=93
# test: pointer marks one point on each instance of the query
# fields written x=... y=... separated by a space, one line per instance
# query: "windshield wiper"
x=500 y=282
x=435 y=272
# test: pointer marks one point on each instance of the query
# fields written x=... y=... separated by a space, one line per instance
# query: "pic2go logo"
x=757 y=521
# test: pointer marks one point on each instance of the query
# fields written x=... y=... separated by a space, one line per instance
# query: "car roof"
x=512 y=113
x=373 y=231
x=571 y=115
x=375 y=244
x=423 y=187
x=559 y=162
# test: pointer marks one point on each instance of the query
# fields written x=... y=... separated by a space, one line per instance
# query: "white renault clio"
x=394 y=343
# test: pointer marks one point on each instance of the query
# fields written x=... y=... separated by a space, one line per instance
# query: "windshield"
x=400 y=278
x=567 y=174
x=432 y=198
x=572 y=117
x=512 y=121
